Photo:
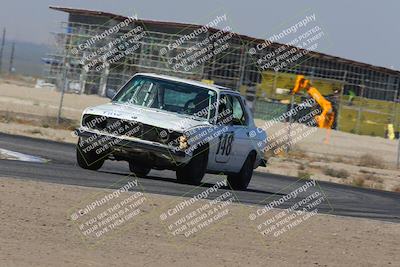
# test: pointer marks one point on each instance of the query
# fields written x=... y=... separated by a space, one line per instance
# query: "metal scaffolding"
x=234 y=66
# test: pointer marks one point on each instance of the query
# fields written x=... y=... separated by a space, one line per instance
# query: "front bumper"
x=132 y=147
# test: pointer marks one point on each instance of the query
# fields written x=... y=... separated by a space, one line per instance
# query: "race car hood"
x=158 y=118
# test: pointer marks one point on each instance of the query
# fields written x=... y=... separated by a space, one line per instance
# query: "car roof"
x=214 y=87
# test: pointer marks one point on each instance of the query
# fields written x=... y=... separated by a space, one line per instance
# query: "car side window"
x=225 y=110
x=239 y=115
x=230 y=111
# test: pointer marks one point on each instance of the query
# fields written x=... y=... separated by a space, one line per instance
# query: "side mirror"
x=110 y=93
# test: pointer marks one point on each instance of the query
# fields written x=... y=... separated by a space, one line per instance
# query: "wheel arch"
x=256 y=158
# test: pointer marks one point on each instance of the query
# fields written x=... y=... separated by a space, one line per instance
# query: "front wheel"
x=193 y=172
x=140 y=171
x=88 y=160
x=241 y=180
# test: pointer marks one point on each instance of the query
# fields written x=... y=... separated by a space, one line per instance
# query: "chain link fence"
x=364 y=97
x=354 y=113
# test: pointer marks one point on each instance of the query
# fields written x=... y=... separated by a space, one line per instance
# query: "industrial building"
x=86 y=32
x=234 y=69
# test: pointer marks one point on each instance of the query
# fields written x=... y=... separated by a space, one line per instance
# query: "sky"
x=362 y=30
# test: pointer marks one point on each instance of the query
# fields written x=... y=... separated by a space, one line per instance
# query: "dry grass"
x=365 y=171
x=369 y=160
x=302 y=166
x=396 y=189
x=35 y=131
x=374 y=178
x=358 y=181
x=40 y=121
x=369 y=181
x=336 y=173
x=304 y=175
x=342 y=159
x=378 y=186
x=298 y=154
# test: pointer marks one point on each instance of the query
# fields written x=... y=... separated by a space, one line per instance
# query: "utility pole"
x=3 y=40
x=11 y=58
x=64 y=81
x=360 y=108
x=63 y=89
x=398 y=139
x=290 y=123
x=340 y=104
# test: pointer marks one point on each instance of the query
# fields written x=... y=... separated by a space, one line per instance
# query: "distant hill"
x=27 y=57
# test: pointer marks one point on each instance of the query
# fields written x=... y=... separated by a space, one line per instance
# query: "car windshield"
x=168 y=95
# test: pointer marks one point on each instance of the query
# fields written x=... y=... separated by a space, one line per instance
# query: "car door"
x=240 y=122
x=226 y=137
x=227 y=149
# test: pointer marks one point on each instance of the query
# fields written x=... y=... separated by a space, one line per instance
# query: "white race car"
x=162 y=122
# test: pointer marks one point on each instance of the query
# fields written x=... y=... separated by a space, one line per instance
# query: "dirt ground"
x=329 y=156
x=44 y=101
x=38 y=132
x=37 y=231
x=338 y=157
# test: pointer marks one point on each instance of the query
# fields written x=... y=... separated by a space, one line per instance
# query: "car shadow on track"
x=205 y=185
x=263 y=192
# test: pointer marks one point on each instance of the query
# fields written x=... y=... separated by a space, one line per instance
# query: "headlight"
x=183 y=142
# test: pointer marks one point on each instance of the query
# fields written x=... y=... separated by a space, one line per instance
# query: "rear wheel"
x=89 y=160
x=139 y=170
x=193 y=172
x=241 y=180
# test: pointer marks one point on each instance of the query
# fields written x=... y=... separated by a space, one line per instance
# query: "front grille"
x=94 y=121
x=123 y=127
x=136 y=129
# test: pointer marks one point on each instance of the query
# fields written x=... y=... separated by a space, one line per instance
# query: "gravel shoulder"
x=37 y=231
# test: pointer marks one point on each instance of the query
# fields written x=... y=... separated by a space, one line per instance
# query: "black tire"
x=140 y=171
x=89 y=160
x=241 y=180
x=193 y=171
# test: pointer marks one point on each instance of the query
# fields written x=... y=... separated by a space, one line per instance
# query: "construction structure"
x=235 y=67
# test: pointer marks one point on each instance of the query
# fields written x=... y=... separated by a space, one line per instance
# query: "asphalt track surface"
x=264 y=188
